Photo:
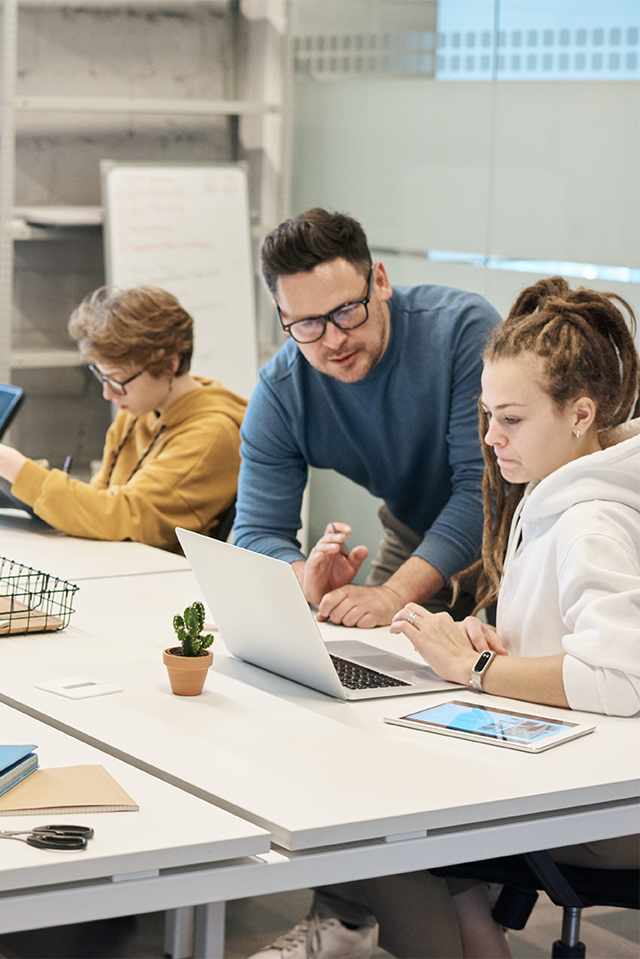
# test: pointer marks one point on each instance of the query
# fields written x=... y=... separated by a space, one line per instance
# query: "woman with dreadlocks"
x=561 y=548
x=171 y=456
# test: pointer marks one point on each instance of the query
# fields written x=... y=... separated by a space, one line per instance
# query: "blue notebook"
x=16 y=762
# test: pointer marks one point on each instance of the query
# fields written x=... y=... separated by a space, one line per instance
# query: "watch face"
x=482 y=661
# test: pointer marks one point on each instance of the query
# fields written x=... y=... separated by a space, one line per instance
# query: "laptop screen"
x=10 y=399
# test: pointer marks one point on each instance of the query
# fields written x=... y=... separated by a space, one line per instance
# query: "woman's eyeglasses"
x=114 y=385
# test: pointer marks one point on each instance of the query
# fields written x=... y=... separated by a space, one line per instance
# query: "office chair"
x=224 y=527
x=572 y=887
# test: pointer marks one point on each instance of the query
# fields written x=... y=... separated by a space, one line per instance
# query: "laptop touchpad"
x=372 y=657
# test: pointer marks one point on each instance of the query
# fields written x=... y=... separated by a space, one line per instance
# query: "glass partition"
x=481 y=143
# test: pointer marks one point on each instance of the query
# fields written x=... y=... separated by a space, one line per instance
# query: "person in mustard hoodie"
x=171 y=456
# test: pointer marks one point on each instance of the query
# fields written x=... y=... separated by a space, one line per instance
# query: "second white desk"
x=27 y=540
x=327 y=779
x=176 y=851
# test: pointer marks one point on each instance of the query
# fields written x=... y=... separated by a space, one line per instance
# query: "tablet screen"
x=490 y=722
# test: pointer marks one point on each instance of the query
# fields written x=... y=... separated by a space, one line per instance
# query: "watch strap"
x=480 y=667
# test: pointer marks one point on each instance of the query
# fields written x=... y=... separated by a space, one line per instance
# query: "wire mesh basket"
x=32 y=601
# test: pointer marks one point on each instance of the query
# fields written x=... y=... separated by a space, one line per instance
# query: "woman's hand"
x=440 y=642
x=449 y=648
x=482 y=636
x=11 y=462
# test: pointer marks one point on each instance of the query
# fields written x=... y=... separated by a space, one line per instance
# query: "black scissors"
x=52 y=837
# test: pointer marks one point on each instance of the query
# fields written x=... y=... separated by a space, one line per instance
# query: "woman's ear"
x=584 y=413
x=172 y=367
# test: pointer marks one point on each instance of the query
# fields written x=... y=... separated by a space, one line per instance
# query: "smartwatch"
x=480 y=667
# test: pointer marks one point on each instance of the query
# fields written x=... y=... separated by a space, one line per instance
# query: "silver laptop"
x=264 y=619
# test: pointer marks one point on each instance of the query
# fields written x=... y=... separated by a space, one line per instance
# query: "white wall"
x=99 y=52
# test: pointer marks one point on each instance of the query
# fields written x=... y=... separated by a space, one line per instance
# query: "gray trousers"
x=414 y=910
x=397 y=545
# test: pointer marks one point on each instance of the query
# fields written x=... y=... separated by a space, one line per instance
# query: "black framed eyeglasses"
x=346 y=317
x=113 y=385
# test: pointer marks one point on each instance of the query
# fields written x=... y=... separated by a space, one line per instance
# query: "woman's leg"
x=421 y=916
x=482 y=937
x=620 y=853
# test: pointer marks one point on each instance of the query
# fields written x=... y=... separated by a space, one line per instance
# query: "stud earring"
x=577 y=434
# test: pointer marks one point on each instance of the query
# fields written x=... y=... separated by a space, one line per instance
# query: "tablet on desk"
x=489 y=724
x=10 y=400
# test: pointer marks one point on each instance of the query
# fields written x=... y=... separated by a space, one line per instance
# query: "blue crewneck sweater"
x=407 y=432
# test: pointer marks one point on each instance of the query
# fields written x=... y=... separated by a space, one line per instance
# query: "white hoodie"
x=572 y=575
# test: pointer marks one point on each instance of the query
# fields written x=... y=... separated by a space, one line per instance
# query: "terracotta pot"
x=186 y=673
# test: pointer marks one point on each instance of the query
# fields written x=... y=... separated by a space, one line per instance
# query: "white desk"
x=27 y=540
x=136 y=609
x=174 y=852
x=319 y=773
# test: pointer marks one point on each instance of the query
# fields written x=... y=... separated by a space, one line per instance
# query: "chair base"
x=562 y=951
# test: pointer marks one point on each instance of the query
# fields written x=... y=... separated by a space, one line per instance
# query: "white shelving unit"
x=270 y=85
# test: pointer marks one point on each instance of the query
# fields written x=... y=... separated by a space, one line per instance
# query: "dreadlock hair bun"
x=585 y=342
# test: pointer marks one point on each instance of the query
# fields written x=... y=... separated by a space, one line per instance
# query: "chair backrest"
x=224 y=527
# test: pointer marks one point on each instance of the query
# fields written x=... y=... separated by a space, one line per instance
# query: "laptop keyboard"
x=354 y=676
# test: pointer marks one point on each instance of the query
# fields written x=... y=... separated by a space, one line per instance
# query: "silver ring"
x=410 y=618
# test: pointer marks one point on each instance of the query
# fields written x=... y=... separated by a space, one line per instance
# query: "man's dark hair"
x=301 y=243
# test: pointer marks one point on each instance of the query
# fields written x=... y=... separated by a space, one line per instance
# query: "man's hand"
x=363 y=606
x=330 y=564
x=369 y=606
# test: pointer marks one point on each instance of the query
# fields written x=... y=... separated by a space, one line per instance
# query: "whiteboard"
x=185 y=228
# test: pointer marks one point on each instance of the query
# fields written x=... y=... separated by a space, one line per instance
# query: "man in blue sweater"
x=381 y=385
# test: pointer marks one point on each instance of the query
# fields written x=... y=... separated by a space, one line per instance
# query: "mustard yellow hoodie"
x=188 y=476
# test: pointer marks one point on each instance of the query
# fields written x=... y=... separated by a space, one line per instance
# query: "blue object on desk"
x=16 y=762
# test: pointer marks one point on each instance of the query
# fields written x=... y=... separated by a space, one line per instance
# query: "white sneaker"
x=316 y=938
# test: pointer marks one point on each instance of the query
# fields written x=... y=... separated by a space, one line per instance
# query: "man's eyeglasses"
x=113 y=385
x=346 y=317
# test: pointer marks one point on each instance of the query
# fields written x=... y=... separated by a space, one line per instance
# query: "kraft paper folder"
x=67 y=789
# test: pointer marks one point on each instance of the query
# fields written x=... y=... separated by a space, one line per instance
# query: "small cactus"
x=189 y=628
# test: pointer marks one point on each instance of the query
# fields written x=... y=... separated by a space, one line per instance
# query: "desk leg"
x=178 y=932
x=209 y=931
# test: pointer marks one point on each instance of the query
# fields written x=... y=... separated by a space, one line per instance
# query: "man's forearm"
x=416 y=580
x=298 y=567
